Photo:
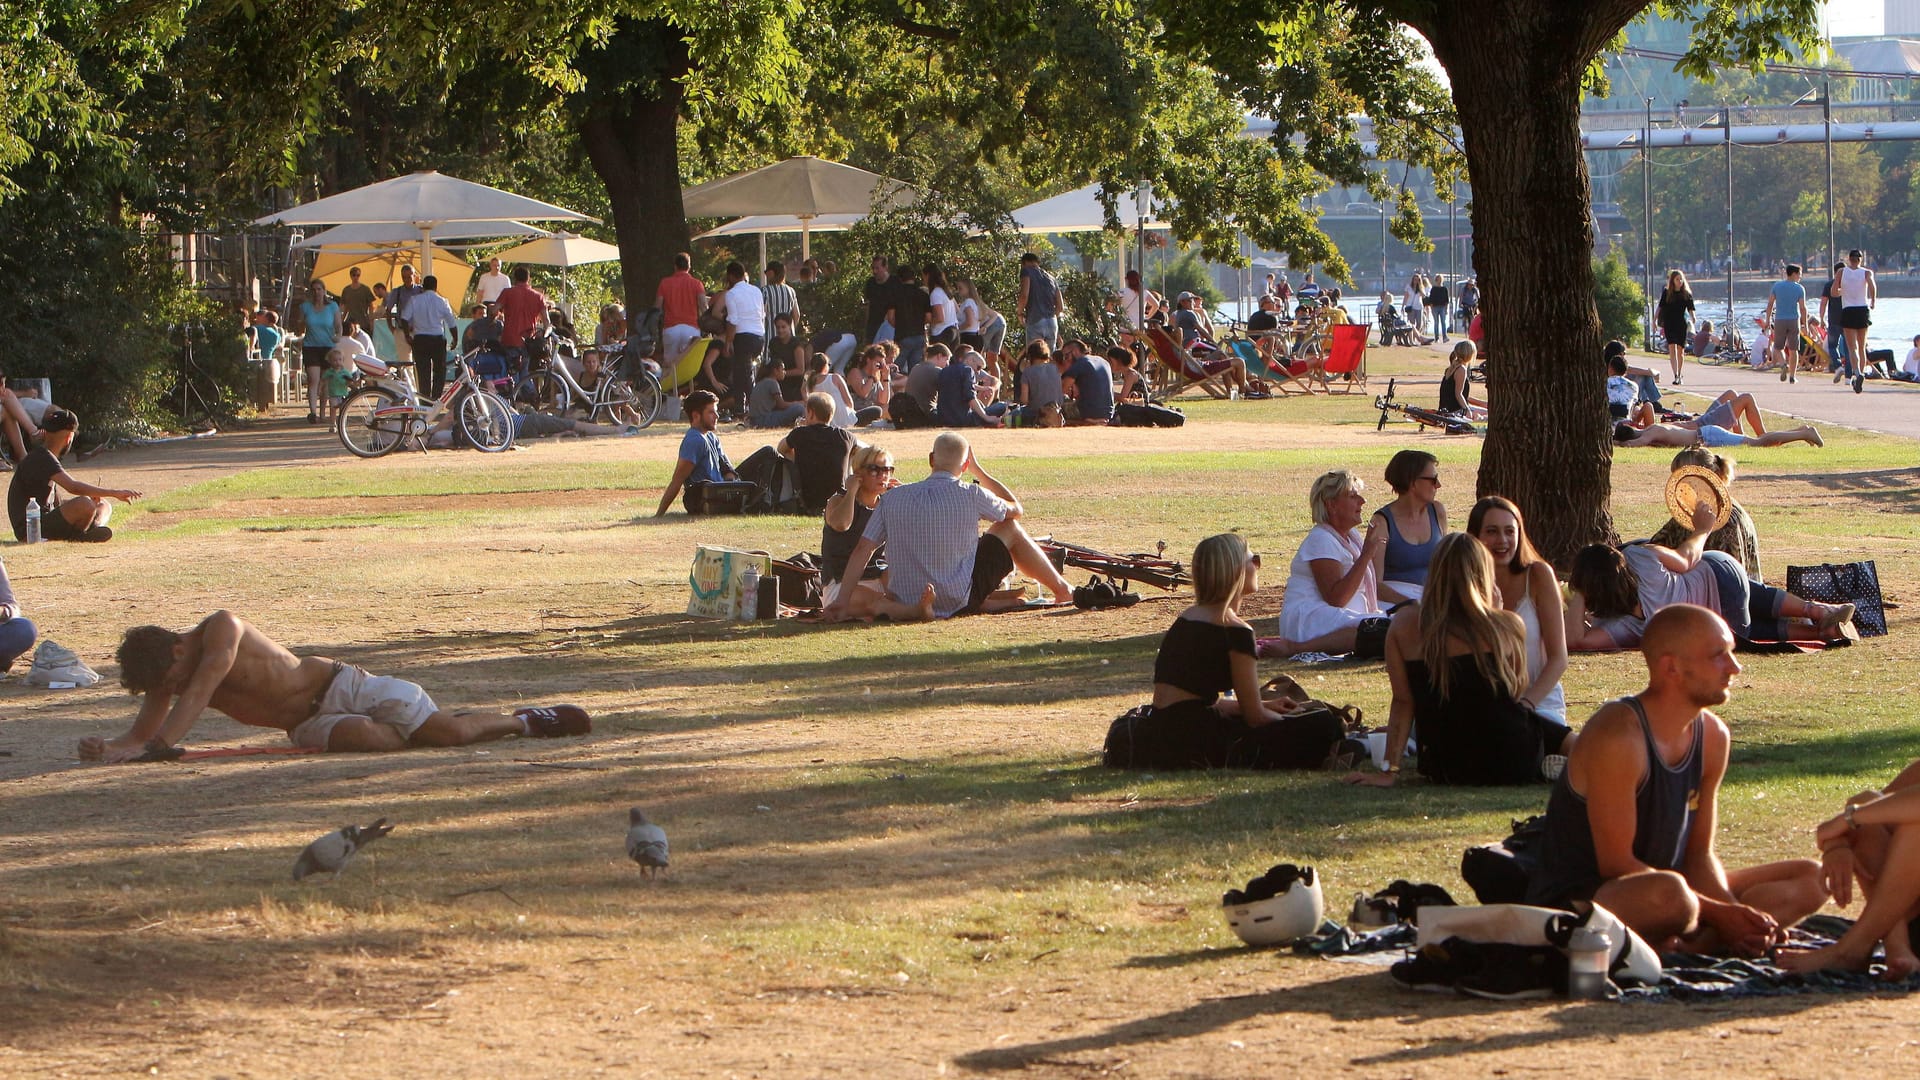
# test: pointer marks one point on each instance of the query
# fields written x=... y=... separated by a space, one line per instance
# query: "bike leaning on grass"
x=379 y=416
x=550 y=387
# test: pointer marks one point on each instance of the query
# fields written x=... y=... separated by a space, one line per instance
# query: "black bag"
x=726 y=497
x=1127 y=414
x=1856 y=583
x=906 y=411
x=643 y=334
x=1122 y=751
x=774 y=477
x=1498 y=873
x=1370 y=641
x=799 y=581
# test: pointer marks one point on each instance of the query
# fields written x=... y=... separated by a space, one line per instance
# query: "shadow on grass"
x=1890 y=488
x=1370 y=996
x=1841 y=753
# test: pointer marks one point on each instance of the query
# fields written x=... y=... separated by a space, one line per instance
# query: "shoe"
x=313 y=418
x=1678 y=381
x=1783 y=373
x=1835 y=616
x=1552 y=766
x=554 y=721
x=98 y=534
x=1793 y=378
x=1838 y=375
x=1859 y=384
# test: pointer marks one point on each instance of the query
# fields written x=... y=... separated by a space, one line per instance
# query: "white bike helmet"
x=1293 y=913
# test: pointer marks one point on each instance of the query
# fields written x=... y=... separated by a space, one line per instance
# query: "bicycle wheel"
x=543 y=392
x=361 y=431
x=643 y=396
x=485 y=420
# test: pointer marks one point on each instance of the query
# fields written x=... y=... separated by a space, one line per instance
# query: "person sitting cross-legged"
x=228 y=664
x=939 y=563
x=767 y=405
x=819 y=452
x=82 y=517
x=1631 y=822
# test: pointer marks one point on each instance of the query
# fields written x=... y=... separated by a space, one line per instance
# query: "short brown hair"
x=700 y=400
x=145 y=656
x=1406 y=467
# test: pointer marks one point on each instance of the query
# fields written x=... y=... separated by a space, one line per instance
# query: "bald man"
x=1630 y=824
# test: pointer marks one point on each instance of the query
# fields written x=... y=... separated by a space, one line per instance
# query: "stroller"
x=1395 y=330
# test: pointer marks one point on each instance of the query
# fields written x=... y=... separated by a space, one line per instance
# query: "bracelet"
x=1848 y=815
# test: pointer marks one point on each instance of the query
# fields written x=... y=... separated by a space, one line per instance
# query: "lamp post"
x=1824 y=98
x=1646 y=206
x=1726 y=128
x=1142 y=206
x=1382 y=209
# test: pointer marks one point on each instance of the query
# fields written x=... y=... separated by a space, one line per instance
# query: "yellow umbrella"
x=381 y=265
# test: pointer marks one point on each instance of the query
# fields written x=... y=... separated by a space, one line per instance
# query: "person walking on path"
x=1786 y=314
x=1859 y=293
x=1675 y=316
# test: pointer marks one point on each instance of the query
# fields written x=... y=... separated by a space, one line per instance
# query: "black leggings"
x=1192 y=735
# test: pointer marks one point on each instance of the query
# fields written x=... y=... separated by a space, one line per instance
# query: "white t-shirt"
x=746 y=309
x=1130 y=306
x=491 y=286
x=969 y=311
x=1305 y=613
x=1621 y=390
x=1912 y=364
x=944 y=316
x=1413 y=301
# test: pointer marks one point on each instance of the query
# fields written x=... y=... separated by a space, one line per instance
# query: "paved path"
x=1892 y=408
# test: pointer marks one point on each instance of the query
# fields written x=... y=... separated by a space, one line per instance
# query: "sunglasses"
x=880 y=470
x=1432 y=478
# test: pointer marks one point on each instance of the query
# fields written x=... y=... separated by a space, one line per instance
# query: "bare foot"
x=1268 y=647
x=925 y=607
x=1831 y=957
x=93 y=748
x=1901 y=962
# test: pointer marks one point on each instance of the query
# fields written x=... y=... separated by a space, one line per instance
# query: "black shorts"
x=992 y=562
x=1855 y=318
x=1618 y=411
x=314 y=356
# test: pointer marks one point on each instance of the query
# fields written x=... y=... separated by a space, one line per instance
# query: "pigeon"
x=646 y=842
x=331 y=853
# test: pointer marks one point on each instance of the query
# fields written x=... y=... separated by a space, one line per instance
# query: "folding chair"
x=1346 y=358
x=1179 y=370
x=688 y=366
x=1287 y=381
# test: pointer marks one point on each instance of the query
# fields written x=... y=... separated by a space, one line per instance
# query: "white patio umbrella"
x=561 y=249
x=380 y=234
x=783 y=223
x=1077 y=211
x=424 y=200
x=804 y=187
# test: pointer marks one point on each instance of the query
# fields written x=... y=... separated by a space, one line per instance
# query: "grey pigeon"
x=646 y=842
x=331 y=853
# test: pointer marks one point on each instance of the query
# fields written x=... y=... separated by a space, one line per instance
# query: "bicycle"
x=549 y=387
x=376 y=418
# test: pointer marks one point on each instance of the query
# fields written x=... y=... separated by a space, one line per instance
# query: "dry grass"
x=894 y=851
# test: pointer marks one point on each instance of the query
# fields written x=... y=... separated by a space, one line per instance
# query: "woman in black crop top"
x=1208 y=651
x=1458 y=665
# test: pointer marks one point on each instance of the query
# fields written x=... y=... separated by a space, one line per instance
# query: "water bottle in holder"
x=749 y=604
x=33 y=521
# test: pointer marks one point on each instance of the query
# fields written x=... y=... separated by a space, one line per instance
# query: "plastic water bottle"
x=33 y=521
x=1588 y=951
x=749 y=593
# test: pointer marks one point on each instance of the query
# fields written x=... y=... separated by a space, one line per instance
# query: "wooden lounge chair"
x=1346 y=367
x=1286 y=381
x=1179 y=371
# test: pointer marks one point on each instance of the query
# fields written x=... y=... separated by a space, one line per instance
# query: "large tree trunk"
x=1548 y=446
x=632 y=138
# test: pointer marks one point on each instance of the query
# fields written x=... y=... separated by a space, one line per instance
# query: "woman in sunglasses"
x=870 y=474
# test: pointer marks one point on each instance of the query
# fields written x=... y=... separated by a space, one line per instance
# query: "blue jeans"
x=1649 y=389
x=1837 y=349
x=912 y=351
x=1752 y=610
x=16 y=637
x=1440 y=324
x=1043 y=328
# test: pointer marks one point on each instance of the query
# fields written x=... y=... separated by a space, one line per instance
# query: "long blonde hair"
x=1459 y=602
x=1220 y=569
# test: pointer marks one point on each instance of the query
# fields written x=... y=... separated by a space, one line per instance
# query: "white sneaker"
x=1553 y=765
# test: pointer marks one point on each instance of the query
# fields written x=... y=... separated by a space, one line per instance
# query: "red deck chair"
x=1179 y=370
x=1347 y=359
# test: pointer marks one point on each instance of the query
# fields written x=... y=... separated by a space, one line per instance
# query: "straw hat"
x=1691 y=485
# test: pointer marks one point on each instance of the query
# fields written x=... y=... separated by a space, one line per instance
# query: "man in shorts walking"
x=228 y=664
x=1787 y=313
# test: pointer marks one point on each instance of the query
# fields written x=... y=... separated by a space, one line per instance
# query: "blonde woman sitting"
x=1332 y=590
x=1458 y=666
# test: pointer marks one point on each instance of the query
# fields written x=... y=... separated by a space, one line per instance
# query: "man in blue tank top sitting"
x=1630 y=823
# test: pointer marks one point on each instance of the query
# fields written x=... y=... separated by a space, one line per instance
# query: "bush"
x=1621 y=302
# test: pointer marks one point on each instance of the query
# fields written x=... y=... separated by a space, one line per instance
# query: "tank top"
x=1476 y=734
x=1450 y=395
x=1555 y=703
x=843 y=416
x=1664 y=806
x=1853 y=287
x=837 y=547
x=1408 y=561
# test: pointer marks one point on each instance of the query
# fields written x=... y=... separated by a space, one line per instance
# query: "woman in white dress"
x=1331 y=589
x=1414 y=298
x=1529 y=589
x=821 y=379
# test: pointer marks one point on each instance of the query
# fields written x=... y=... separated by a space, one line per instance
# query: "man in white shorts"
x=228 y=664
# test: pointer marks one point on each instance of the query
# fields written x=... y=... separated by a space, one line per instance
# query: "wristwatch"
x=1848 y=815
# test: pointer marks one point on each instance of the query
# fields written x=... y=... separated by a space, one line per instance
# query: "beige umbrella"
x=388 y=233
x=424 y=200
x=804 y=187
x=561 y=249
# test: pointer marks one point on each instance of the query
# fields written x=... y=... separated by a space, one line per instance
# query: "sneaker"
x=313 y=418
x=1678 y=381
x=1838 y=375
x=1783 y=373
x=554 y=721
x=1859 y=383
x=1552 y=766
x=98 y=534
x=1793 y=378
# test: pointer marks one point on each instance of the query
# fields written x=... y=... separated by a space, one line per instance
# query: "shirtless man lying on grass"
x=227 y=663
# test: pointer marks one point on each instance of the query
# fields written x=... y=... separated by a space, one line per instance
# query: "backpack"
x=1497 y=873
x=779 y=487
x=643 y=334
x=1127 y=414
